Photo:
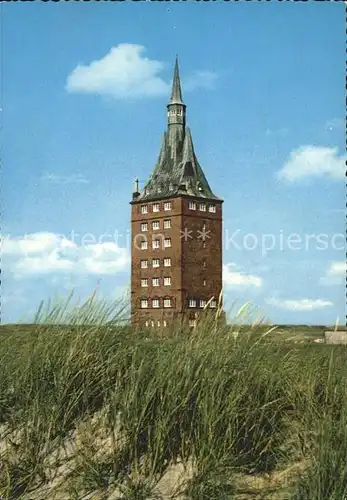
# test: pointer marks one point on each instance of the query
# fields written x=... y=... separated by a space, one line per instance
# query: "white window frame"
x=202 y=207
x=167 y=302
x=202 y=303
x=144 y=209
x=155 y=281
x=156 y=207
x=212 y=209
x=167 y=281
x=192 y=303
x=144 y=282
x=155 y=225
x=144 y=303
x=164 y=322
x=213 y=304
x=147 y=323
x=158 y=323
x=144 y=245
x=167 y=259
x=167 y=243
x=144 y=264
x=156 y=263
x=156 y=243
x=192 y=205
x=192 y=322
x=155 y=303
x=144 y=226
x=167 y=224
x=167 y=206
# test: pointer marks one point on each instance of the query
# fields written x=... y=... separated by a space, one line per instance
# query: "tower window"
x=156 y=207
x=156 y=243
x=202 y=207
x=155 y=225
x=144 y=209
x=192 y=205
x=167 y=242
x=144 y=245
x=167 y=224
x=202 y=303
x=212 y=208
x=167 y=302
x=155 y=303
x=167 y=281
x=144 y=264
x=144 y=282
x=156 y=281
x=144 y=226
x=156 y=262
x=167 y=205
x=167 y=262
x=144 y=303
x=192 y=303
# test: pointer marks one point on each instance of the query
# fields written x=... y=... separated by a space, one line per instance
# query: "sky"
x=84 y=94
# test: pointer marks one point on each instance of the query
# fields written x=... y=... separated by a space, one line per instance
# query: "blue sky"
x=84 y=91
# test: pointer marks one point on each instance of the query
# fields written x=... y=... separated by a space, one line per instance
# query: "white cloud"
x=126 y=73
x=335 y=274
x=239 y=278
x=200 y=79
x=299 y=304
x=45 y=253
x=64 y=179
x=313 y=161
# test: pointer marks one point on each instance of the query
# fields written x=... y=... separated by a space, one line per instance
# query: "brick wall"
x=188 y=254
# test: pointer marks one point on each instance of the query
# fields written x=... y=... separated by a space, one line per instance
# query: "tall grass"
x=121 y=405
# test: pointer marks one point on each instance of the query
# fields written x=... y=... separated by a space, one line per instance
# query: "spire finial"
x=176 y=93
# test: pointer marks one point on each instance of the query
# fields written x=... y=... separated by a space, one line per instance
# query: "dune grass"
x=111 y=408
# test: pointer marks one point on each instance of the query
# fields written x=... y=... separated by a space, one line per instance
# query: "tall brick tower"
x=176 y=225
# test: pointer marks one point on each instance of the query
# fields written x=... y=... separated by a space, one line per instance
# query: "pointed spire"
x=188 y=148
x=176 y=93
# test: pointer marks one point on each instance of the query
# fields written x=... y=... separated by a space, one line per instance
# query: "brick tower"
x=176 y=231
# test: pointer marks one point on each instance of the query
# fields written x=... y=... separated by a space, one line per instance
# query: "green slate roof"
x=177 y=171
x=176 y=93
